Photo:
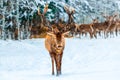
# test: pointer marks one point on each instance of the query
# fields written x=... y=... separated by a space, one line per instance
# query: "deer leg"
x=106 y=34
x=99 y=33
x=61 y=62
x=110 y=34
x=94 y=33
x=119 y=31
x=57 y=60
x=86 y=34
x=116 y=32
x=52 y=59
x=52 y=66
x=80 y=34
x=91 y=35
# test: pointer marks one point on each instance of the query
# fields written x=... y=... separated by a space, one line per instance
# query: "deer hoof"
x=52 y=73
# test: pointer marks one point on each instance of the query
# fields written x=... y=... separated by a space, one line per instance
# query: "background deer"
x=111 y=24
x=117 y=26
x=86 y=28
x=55 y=43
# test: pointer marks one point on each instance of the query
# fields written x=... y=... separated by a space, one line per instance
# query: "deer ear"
x=65 y=33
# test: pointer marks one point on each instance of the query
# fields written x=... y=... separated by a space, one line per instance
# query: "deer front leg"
x=91 y=35
x=52 y=59
x=94 y=33
x=61 y=62
x=52 y=66
x=57 y=61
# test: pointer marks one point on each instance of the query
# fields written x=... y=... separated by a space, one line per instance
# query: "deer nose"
x=59 y=46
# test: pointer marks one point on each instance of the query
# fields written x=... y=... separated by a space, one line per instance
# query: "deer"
x=112 y=25
x=103 y=26
x=100 y=27
x=86 y=28
x=55 y=44
x=117 y=26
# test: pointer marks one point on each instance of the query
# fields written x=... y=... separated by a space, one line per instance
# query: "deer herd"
x=110 y=26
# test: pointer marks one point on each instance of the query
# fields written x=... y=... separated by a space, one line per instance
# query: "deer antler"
x=39 y=13
x=66 y=9
x=43 y=20
x=69 y=10
x=72 y=10
x=45 y=9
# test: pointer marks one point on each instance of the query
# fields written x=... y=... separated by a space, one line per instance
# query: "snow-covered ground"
x=83 y=59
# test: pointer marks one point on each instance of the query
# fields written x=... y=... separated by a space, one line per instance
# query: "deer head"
x=57 y=41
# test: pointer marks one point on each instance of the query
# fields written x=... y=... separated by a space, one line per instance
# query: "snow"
x=83 y=59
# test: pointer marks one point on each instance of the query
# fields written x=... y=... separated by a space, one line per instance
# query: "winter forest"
x=59 y=39
x=19 y=19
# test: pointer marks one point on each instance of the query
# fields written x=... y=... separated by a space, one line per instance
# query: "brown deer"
x=86 y=28
x=55 y=43
x=117 y=26
x=112 y=25
x=102 y=26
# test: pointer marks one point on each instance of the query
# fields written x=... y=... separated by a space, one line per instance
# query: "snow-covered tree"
x=18 y=15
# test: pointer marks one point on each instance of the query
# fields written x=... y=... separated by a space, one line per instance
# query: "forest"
x=26 y=19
